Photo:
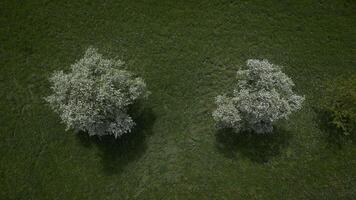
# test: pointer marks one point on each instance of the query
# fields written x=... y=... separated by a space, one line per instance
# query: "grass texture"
x=187 y=52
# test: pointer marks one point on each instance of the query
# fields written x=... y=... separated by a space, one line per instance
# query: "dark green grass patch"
x=188 y=52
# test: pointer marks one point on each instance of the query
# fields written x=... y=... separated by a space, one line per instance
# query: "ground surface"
x=188 y=52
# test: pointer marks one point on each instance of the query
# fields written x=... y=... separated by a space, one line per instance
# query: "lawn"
x=187 y=52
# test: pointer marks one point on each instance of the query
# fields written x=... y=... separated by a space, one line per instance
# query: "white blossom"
x=94 y=97
x=262 y=96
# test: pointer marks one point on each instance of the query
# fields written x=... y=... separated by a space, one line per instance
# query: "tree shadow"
x=333 y=136
x=116 y=153
x=259 y=148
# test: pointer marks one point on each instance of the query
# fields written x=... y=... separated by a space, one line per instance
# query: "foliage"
x=182 y=50
x=262 y=96
x=95 y=96
x=339 y=104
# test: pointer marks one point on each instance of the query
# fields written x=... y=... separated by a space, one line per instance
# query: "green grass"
x=188 y=52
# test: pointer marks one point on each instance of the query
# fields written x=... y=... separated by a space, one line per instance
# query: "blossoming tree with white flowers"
x=262 y=96
x=95 y=95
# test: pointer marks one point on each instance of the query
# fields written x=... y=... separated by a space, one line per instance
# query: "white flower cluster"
x=94 y=97
x=262 y=96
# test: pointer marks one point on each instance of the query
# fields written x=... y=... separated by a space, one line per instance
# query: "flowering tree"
x=95 y=96
x=262 y=96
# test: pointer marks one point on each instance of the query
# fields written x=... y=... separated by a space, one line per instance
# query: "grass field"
x=188 y=52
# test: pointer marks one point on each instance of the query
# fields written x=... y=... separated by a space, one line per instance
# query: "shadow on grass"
x=258 y=148
x=115 y=154
x=334 y=136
